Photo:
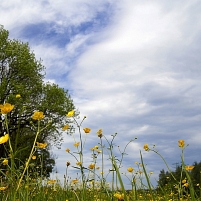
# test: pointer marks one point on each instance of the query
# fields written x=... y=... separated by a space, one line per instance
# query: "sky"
x=131 y=67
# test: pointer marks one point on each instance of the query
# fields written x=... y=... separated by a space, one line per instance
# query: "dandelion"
x=6 y=108
x=146 y=147
x=18 y=96
x=76 y=144
x=38 y=115
x=71 y=113
x=189 y=168
x=33 y=157
x=68 y=150
x=5 y=162
x=65 y=127
x=130 y=169
x=100 y=133
x=4 y=139
x=91 y=166
x=181 y=143
x=87 y=130
x=41 y=145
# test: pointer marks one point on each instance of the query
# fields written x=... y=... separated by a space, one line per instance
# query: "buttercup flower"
x=87 y=130
x=18 y=96
x=41 y=145
x=71 y=113
x=181 y=143
x=4 y=139
x=185 y=185
x=78 y=163
x=37 y=115
x=51 y=182
x=91 y=166
x=119 y=196
x=65 y=127
x=33 y=157
x=146 y=147
x=100 y=133
x=74 y=181
x=5 y=162
x=76 y=144
x=6 y=108
x=68 y=150
x=189 y=168
x=130 y=169
x=2 y=188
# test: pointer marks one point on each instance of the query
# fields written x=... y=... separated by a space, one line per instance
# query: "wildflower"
x=189 y=168
x=6 y=108
x=119 y=196
x=76 y=144
x=2 y=188
x=68 y=150
x=37 y=115
x=18 y=96
x=151 y=173
x=78 y=163
x=67 y=163
x=92 y=149
x=181 y=143
x=185 y=185
x=74 y=181
x=91 y=166
x=87 y=130
x=71 y=113
x=51 y=182
x=130 y=169
x=136 y=163
x=65 y=127
x=5 y=162
x=41 y=145
x=146 y=147
x=102 y=173
x=100 y=133
x=183 y=181
x=96 y=147
x=4 y=139
x=33 y=157
x=98 y=151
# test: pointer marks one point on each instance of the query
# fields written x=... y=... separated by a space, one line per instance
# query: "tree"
x=22 y=75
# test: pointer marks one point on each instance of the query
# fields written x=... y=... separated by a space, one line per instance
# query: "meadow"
x=27 y=183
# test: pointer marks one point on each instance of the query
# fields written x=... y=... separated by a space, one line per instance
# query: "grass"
x=91 y=184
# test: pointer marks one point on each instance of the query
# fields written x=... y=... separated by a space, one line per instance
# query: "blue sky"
x=131 y=67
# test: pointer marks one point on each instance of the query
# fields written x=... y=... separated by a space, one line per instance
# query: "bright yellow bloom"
x=181 y=143
x=183 y=181
x=65 y=127
x=130 y=169
x=189 y=168
x=76 y=144
x=91 y=166
x=6 y=108
x=18 y=96
x=2 y=188
x=146 y=147
x=51 y=182
x=100 y=133
x=87 y=130
x=119 y=196
x=96 y=147
x=4 y=139
x=33 y=157
x=37 y=115
x=41 y=145
x=5 y=162
x=78 y=163
x=71 y=113
x=74 y=181
x=185 y=185
x=98 y=151
x=68 y=150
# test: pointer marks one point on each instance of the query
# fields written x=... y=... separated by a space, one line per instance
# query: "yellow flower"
x=189 y=168
x=183 y=181
x=78 y=163
x=71 y=113
x=33 y=157
x=38 y=115
x=5 y=162
x=96 y=147
x=4 y=139
x=41 y=145
x=98 y=151
x=76 y=144
x=87 y=130
x=91 y=166
x=2 y=188
x=68 y=150
x=6 y=108
x=151 y=173
x=74 y=181
x=119 y=196
x=51 y=182
x=185 y=185
x=130 y=169
x=146 y=147
x=65 y=127
x=100 y=133
x=181 y=143
x=18 y=96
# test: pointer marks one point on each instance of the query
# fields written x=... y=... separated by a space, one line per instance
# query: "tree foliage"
x=21 y=73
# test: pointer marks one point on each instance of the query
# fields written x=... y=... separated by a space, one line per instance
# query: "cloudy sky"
x=132 y=67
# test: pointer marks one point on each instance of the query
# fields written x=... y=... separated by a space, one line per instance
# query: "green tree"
x=21 y=73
